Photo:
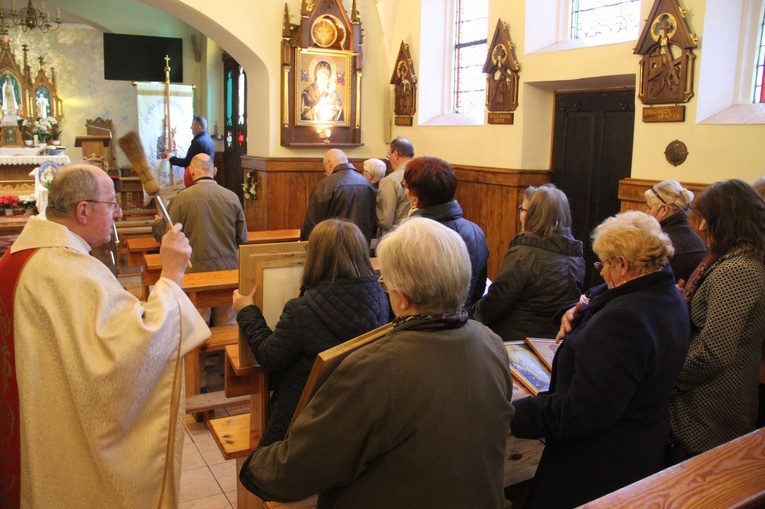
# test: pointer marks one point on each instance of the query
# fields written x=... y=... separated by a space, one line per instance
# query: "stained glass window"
x=469 y=55
x=759 y=69
x=595 y=18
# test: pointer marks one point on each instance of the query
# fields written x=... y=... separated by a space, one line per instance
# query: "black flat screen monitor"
x=142 y=58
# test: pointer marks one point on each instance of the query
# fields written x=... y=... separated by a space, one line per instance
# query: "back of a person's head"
x=734 y=214
x=403 y=146
x=336 y=250
x=548 y=211
x=637 y=237
x=71 y=185
x=431 y=179
x=428 y=262
x=669 y=192
x=375 y=167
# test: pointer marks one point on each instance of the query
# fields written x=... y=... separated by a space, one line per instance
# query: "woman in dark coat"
x=606 y=417
x=339 y=300
x=430 y=185
x=542 y=272
x=668 y=202
x=715 y=396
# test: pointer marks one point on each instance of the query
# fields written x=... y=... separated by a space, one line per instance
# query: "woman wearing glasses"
x=542 y=272
x=339 y=300
x=715 y=396
x=606 y=416
x=668 y=202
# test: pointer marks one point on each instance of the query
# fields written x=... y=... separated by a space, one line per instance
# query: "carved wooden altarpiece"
x=22 y=95
x=502 y=76
x=666 y=69
x=321 y=76
x=405 y=82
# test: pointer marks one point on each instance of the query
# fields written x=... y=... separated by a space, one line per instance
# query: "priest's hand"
x=242 y=301
x=175 y=252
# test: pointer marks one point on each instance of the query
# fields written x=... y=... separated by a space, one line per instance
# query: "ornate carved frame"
x=25 y=91
x=321 y=76
x=664 y=77
x=405 y=81
x=502 y=71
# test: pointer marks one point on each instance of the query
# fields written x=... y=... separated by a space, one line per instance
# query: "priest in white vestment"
x=100 y=378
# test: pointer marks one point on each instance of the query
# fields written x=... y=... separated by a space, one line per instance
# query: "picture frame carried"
x=277 y=270
x=545 y=349
x=527 y=367
x=328 y=360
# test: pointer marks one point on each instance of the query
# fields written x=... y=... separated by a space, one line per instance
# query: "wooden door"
x=235 y=124
x=592 y=151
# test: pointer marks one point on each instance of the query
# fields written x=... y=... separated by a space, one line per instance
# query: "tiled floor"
x=208 y=481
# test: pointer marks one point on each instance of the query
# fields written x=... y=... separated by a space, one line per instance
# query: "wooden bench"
x=205 y=289
x=207 y=403
x=731 y=475
x=138 y=247
x=221 y=337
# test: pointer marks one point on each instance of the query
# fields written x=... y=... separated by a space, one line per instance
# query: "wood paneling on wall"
x=284 y=190
x=490 y=197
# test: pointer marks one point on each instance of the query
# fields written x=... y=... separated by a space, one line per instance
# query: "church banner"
x=151 y=125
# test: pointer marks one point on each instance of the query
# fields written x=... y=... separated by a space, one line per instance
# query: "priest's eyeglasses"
x=115 y=206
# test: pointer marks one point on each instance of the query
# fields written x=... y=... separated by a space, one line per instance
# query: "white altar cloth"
x=28 y=155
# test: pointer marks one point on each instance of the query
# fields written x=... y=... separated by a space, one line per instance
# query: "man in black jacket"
x=201 y=144
x=344 y=194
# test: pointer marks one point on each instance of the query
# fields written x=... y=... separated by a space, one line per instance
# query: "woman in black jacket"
x=542 y=272
x=339 y=300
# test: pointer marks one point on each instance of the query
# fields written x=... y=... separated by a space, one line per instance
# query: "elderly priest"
x=91 y=396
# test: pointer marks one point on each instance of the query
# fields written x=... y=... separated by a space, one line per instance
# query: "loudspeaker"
x=195 y=47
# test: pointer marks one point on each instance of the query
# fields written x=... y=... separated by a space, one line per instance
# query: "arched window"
x=470 y=34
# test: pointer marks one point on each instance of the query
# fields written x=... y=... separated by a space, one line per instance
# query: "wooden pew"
x=237 y=435
x=731 y=475
x=138 y=247
x=221 y=337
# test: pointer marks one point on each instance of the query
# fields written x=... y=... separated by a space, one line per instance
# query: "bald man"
x=214 y=222
x=345 y=194
x=91 y=399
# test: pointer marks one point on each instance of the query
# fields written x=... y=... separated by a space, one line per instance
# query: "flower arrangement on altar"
x=27 y=201
x=44 y=129
x=250 y=186
x=9 y=201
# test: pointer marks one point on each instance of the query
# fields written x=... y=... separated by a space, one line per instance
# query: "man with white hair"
x=374 y=170
x=344 y=194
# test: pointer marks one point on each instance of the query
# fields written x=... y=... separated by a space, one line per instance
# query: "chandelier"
x=29 y=18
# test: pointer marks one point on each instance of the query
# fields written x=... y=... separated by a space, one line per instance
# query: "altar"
x=17 y=162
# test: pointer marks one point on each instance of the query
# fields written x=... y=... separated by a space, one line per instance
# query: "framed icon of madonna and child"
x=322 y=93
